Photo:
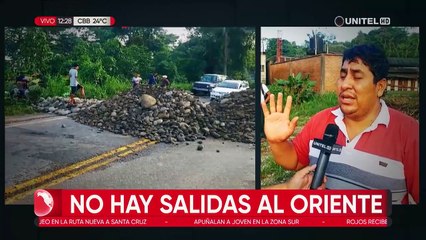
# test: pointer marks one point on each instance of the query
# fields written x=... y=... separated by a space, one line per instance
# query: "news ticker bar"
x=79 y=21
x=212 y=221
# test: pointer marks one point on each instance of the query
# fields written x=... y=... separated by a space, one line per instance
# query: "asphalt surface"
x=34 y=147
x=220 y=165
x=37 y=147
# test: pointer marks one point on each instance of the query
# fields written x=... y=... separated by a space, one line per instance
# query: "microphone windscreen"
x=330 y=134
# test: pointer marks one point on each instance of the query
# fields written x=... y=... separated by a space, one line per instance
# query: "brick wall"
x=331 y=72
x=324 y=70
x=310 y=65
x=318 y=67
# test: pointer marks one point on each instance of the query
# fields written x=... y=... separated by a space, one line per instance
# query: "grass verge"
x=17 y=107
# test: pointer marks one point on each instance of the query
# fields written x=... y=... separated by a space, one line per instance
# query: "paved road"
x=220 y=165
x=36 y=148
x=42 y=145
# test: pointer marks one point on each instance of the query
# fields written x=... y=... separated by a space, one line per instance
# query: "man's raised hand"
x=278 y=126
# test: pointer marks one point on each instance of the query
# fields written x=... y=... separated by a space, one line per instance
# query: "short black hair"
x=372 y=56
x=75 y=65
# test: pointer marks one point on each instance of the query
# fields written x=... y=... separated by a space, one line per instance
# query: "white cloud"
x=181 y=32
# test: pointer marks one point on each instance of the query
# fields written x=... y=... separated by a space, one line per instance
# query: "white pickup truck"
x=225 y=88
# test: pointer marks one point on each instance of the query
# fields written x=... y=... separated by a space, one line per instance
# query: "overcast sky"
x=296 y=34
x=181 y=32
x=299 y=34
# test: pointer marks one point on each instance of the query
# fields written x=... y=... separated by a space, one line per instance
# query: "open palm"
x=278 y=126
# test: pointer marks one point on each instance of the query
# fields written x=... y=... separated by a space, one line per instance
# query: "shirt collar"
x=382 y=118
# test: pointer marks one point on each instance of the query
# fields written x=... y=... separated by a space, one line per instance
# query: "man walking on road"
x=75 y=86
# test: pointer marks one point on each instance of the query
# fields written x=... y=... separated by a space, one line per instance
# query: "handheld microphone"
x=326 y=146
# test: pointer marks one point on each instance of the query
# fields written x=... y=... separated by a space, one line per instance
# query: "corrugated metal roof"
x=404 y=69
x=404 y=62
x=402 y=76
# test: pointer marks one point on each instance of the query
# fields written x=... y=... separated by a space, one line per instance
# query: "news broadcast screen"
x=212 y=120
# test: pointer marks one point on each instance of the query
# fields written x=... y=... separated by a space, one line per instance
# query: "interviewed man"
x=380 y=145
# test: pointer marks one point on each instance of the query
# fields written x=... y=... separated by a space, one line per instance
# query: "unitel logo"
x=43 y=202
x=361 y=21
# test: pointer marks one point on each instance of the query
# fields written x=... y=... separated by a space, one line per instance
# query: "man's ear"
x=381 y=87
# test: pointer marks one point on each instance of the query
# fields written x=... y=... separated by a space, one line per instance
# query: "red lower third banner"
x=212 y=208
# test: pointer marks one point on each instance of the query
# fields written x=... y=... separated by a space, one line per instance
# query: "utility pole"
x=263 y=47
x=225 y=51
x=315 y=42
x=279 y=47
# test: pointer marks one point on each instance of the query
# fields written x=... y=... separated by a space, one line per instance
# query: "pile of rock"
x=61 y=106
x=233 y=117
x=157 y=114
x=165 y=115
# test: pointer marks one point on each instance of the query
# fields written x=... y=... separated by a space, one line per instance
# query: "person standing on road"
x=152 y=80
x=22 y=86
x=165 y=81
x=380 y=145
x=136 y=80
x=74 y=84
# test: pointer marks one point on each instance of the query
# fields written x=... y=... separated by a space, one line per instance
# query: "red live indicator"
x=45 y=21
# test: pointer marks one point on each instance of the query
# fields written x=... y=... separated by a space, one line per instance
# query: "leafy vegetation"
x=301 y=88
x=318 y=103
x=17 y=107
x=271 y=173
x=396 y=41
x=181 y=86
x=109 y=57
x=289 y=49
x=406 y=102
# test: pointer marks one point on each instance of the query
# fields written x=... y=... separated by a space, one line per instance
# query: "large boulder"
x=147 y=101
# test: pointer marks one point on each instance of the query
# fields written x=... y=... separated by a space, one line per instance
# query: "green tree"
x=271 y=49
x=188 y=57
x=338 y=47
x=240 y=47
x=113 y=50
x=134 y=59
x=289 y=49
x=396 y=41
x=167 y=68
x=217 y=50
x=109 y=56
x=28 y=50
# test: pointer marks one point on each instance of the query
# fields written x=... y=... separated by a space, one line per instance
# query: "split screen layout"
x=211 y=108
